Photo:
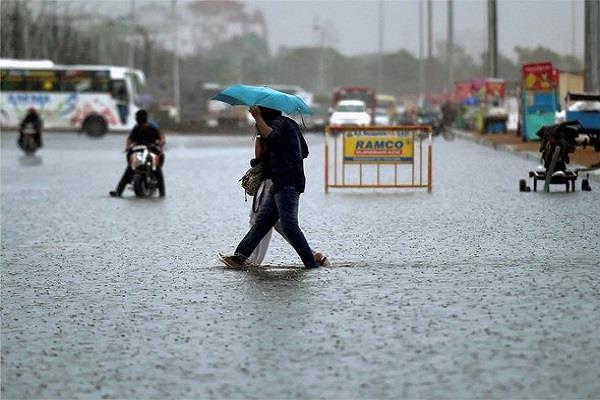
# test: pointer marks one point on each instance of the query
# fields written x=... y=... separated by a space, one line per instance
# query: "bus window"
x=85 y=81
x=12 y=80
x=40 y=81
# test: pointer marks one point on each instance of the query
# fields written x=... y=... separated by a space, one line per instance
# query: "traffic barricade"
x=378 y=157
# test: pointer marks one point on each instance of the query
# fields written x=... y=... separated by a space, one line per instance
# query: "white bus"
x=89 y=98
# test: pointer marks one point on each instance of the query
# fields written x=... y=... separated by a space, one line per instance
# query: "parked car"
x=350 y=113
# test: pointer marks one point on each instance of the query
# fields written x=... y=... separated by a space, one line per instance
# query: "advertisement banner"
x=539 y=77
x=462 y=90
x=495 y=88
x=375 y=147
x=477 y=85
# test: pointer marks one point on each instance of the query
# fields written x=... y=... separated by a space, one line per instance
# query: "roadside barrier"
x=378 y=157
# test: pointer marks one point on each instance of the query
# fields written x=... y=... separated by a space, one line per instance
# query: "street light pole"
x=176 y=82
x=450 y=45
x=131 y=53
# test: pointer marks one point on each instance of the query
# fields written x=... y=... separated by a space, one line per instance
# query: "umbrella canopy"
x=245 y=95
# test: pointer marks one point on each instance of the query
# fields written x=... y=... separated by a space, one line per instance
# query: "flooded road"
x=473 y=290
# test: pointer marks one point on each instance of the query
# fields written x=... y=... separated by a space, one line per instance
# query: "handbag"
x=252 y=179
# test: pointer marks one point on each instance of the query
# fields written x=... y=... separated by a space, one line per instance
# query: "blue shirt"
x=286 y=150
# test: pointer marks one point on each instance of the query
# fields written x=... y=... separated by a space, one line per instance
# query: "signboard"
x=477 y=84
x=378 y=147
x=495 y=88
x=462 y=90
x=539 y=77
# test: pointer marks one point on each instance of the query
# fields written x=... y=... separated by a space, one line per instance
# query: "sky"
x=354 y=24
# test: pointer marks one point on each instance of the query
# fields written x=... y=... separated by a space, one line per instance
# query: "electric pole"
x=429 y=30
x=379 y=85
x=421 y=55
x=573 y=28
x=592 y=46
x=26 y=17
x=492 y=39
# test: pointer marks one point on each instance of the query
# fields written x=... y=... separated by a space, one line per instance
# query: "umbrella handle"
x=302 y=117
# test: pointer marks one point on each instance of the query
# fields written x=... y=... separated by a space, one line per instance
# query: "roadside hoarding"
x=495 y=88
x=539 y=77
x=378 y=147
x=462 y=90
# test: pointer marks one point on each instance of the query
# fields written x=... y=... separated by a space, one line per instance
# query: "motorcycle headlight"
x=138 y=159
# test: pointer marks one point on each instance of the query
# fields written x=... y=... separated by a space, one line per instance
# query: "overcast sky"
x=527 y=23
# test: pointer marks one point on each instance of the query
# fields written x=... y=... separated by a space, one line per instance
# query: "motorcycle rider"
x=32 y=117
x=148 y=134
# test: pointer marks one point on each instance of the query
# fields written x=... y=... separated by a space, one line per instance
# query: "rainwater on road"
x=473 y=290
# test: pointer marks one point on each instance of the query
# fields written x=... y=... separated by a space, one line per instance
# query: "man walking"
x=285 y=149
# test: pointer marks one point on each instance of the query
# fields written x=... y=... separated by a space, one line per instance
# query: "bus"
x=90 y=98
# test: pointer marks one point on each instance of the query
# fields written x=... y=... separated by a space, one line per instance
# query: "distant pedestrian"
x=285 y=149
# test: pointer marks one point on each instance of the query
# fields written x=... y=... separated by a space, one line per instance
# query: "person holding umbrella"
x=284 y=152
x=260 y=198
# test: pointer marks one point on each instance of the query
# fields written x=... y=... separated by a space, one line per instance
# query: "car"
x=430 y=118
x=350 y=113
x=382 y=116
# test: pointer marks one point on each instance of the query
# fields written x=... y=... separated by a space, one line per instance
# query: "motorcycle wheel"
x=28 y=145
x=141 y=187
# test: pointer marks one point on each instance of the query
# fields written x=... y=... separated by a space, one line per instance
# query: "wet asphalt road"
x=474 y=290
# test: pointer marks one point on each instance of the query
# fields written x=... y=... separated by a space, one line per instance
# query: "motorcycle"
x=27 y=141
x=144 y=164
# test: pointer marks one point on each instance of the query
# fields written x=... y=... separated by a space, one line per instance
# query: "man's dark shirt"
x=286 y=148
x=145 y=134
x=32 y=118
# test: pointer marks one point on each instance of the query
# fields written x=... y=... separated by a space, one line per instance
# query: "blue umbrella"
x=245 y=95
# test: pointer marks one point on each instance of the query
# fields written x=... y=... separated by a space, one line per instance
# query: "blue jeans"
x=283 y=206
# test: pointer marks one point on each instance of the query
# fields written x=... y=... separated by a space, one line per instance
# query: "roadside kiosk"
x=494 y=113
x=539 y=99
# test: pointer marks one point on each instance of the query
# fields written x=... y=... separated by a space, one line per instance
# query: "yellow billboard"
x=373 y=147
